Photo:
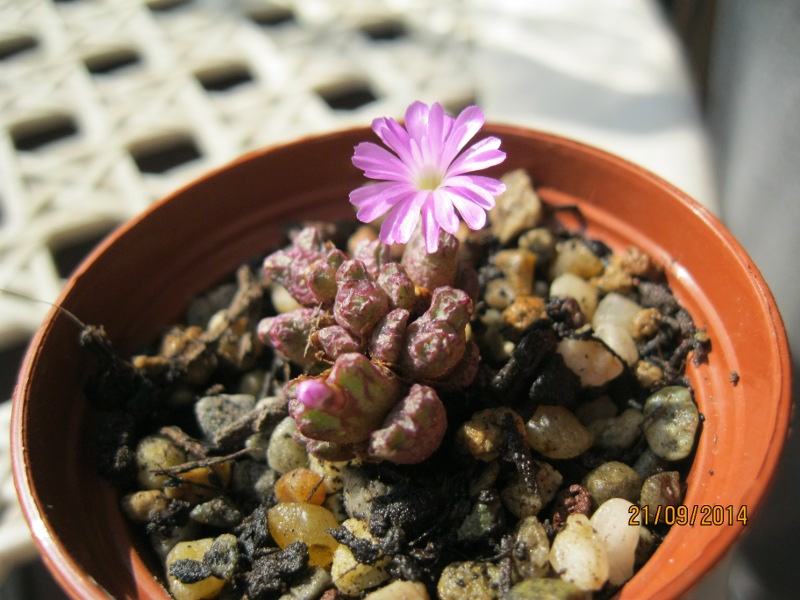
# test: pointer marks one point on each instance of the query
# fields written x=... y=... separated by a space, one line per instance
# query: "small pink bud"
x=314 y=394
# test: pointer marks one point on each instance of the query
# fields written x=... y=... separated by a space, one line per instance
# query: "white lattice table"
x=107 y=105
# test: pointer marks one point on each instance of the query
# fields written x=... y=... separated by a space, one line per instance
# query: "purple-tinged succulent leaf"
x=464 y=373
x=394 y=280
x=360 y=302
x=322 y=276
x=388 y=336
x=413 y=429
x=374 y=254
x=435 y=269
x=289 y=333
x=336 y=340
x=351 y=270
x=292 y=266
x=436 y=342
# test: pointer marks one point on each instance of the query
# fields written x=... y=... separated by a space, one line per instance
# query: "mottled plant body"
x=412 y=430
x=398 y=285
x=378 y=401
x=432 y=269
x=374 y=254
x=389 y=336
x=346 y=405
x=360 y=302
x=289 y=333
x=336 y=340
x=322 y=276
x=292 y=266
x=436 y=342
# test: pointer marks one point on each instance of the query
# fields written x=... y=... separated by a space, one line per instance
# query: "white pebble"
x=573 y=256
x=619 y=340
x=611 y=521
x=590 y=360
x=570 y=285
x=281 y=299
x=617 y=309
x=578 y=555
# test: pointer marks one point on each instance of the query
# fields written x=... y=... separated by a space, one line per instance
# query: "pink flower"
x=426 y=175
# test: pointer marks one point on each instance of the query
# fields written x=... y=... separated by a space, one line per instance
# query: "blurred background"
x=108 y=105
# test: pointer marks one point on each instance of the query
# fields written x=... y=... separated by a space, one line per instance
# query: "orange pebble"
x=301 y=485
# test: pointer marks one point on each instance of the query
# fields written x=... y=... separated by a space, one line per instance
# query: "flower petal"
x=466 y=125
x=474 y=216
x=430 y=227
x=366 y=192
x=479 y=156
x=443 y=211
x=383 y=199
x=402 y=219
x=490 y=185
x=394 y=136
x=485 y=201
x=379 y=163
x=417 y=119
x=434 y=136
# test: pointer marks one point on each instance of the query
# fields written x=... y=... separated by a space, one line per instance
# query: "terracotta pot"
x=142 y=277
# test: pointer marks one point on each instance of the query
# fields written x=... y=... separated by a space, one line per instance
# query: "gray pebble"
x=359 y=492
x=671 y=420
x=470 y=579
x=216 y=412
x=613 y=480
x=661 y=489
x=486 y=517
x=253 y=479
x=517 y=209
x=257 y=444
x=531 y=549
x=311 y=586
x=547 y=589
x=223 y=556
x=618 y=433
x=521 y=501
x=220 y=512
x=285 y=453
x=202 y=308
x=555 y=432
x=649 y=463
x=252 y=382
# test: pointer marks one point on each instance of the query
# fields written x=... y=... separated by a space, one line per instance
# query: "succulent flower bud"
x=412 y=430
x=436 y=342
x=360 y=302
x=432 y=270
x=394 y=280
x=346 y=406
x=388 y=336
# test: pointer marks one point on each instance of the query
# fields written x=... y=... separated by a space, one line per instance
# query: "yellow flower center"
x=429 y=179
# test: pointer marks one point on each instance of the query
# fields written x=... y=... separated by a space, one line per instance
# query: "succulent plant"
x=389 y=340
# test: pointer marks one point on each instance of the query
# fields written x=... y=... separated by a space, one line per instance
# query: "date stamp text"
x=704 y=515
